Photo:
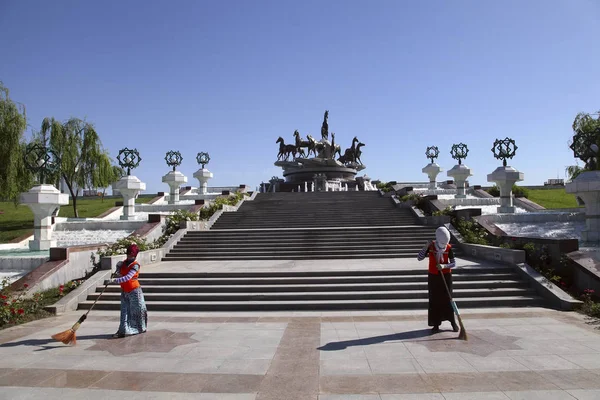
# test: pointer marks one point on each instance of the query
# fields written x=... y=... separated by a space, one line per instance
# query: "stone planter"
x=505 y=178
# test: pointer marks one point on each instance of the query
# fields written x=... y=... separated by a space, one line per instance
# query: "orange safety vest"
x=433 y=260
x=133 y=283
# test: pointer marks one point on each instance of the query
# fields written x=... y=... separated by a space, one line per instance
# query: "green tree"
x=79 y=149
x=584 y=123
x=14 y=177
x=105 y=173
x=573 y=171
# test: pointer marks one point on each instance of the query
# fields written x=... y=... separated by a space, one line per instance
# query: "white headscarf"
x=442 y=238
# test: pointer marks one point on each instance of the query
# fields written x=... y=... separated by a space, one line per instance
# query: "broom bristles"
x=68 y=336
x=463 y=332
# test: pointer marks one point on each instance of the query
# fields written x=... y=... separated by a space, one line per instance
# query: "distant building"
x=555 y=182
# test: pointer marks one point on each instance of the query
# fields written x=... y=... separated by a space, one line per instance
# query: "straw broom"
x=463 y=332
x=69 y=336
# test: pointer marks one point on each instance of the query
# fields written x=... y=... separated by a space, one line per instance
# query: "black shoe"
x=454 y=326
x=118 y=335
x=435 y=329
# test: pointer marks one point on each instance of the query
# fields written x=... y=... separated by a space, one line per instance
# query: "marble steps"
x=156 y=287
x=324 y=305
x=319 y=296
x=415 y=277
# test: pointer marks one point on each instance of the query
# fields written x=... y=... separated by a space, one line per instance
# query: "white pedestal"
x=43 y=201
x=587 y=187
x=129 y=186
x=505 y=178
x=432 y=170
x=174 y=179
x=203 y=175
x=460 y=173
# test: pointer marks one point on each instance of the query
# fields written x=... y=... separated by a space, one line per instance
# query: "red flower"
x=12 y=310
x=21 y=311
x=25 y=286
x=5 y=303
x=3 y=297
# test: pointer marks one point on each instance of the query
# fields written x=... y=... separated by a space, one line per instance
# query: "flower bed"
x=16 y=308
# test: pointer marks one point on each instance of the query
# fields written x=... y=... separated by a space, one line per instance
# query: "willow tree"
x=585 y=125
x=105 y=173
x=79 y=150
x=14 y=177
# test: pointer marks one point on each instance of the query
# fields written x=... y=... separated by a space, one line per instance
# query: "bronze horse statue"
x=315 y=146
x=285 y=150
x=358 y=153
x=300 y=144
x=350 y=153
x=335 y=148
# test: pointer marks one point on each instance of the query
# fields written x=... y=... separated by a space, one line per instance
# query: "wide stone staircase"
x=315 y=226
x=303 y=226
x=321 y=290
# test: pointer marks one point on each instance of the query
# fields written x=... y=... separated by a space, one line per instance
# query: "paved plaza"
x=522 y=353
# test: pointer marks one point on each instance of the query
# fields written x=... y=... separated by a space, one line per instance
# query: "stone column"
x=587 y=187
x=129 y=186
x=174 y=179
x=43 y=201
x=460 y=173
x=432 y=170
x=203 y=175
x=505 y=178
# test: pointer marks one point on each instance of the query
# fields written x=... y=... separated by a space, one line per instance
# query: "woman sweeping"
x=134 y=316
x=441 y=261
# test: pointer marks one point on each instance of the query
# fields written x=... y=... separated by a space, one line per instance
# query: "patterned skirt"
x=134 y=316
x=440 y=308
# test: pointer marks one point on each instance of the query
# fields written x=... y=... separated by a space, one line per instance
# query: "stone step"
x=286 y=248
x=349 y=287
x=180 y=279
x=318 y=296
x=380 y=304
x=192 y=244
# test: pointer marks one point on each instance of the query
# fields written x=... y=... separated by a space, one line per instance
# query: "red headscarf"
x=133 y=250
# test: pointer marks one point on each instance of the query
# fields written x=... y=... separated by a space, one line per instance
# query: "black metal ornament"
x=41 y=160
x=432 y=153
x=459 y=152
x=129 y=158
x=504 y=149
x=585 y=147
x=203 y=158
x=173 y=159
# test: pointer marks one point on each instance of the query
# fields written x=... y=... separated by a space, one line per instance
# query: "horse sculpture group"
x=320 y=149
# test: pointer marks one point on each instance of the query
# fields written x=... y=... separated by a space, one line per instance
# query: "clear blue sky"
x=229 y=77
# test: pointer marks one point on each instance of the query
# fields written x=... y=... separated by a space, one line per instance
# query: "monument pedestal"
x=432 y=170
x=174 y=179
x=505 y=178
x=43 y=201
x=203 y=175
x=129 y=186
x=460 y=173
x=587 y=187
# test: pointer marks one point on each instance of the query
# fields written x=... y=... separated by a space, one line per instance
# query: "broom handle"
x=98 y=298
x=452 y=303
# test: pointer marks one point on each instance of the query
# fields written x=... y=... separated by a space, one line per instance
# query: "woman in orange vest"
x=441 y=261
x=134 y=316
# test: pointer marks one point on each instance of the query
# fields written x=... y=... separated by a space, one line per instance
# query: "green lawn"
x=18 y=221
x=553 y=198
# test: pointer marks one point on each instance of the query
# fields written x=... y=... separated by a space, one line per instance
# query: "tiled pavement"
x=386 y=355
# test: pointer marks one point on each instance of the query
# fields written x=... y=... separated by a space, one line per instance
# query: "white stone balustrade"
x=129 y=186
x=587 y=187
x=505 y=178
x=460 y=173
x=43 y=201
x=432 y=170
x=174 y=179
